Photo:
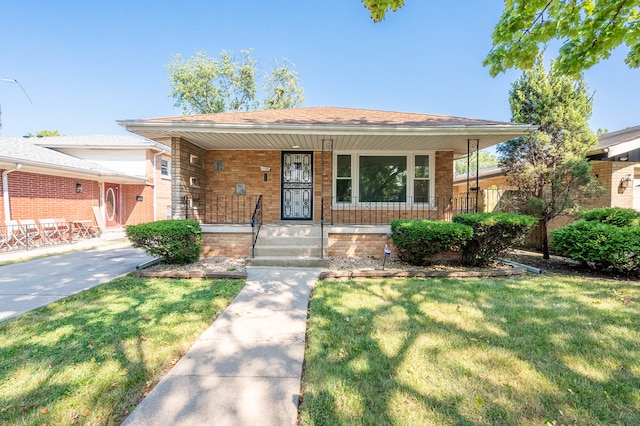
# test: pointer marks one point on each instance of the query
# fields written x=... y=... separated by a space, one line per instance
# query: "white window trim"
x=355 y=176
x=168 y=175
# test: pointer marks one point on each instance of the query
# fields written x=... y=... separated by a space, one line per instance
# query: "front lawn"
x=528 y=350
x=89 y=358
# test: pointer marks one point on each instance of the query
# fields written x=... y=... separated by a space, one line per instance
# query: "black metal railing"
x=256 y=224
x=322 y=228
x=356 y=212
x=222 y=209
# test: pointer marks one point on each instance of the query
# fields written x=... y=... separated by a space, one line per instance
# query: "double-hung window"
x=165 y=168
x=383 y=178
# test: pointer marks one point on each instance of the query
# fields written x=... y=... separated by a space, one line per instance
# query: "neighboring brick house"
x=119 y=178
x=615 y=162
x=352 y=170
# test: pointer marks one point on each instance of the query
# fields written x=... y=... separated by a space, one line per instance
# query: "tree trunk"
x=545 y=239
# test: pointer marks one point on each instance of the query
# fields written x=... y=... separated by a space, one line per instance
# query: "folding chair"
x=3 y=241
x=49 y=231
x=34 y=238
x=16 y=237
x=63 y=228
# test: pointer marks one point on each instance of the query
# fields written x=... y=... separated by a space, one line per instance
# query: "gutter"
x=5 y=190
x=207 y=127
x=155 y=177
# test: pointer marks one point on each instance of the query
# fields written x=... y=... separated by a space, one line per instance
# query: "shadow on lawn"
x=502 y=351
x=95 y=353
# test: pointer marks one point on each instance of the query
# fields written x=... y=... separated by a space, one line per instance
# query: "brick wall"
x=36 y=196
x=133 y=211
x=183 y=171
x=359 y=245
x=225 y=244
x=163 y=191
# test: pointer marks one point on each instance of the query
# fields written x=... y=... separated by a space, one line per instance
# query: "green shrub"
x=176 y=241
x=606 y=246
x=613 y=215
x=493 y=234
x=417 y=240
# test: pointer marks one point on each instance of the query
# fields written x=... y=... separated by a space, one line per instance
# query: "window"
x=383 y=178
x=165 y=168
x=343 y=179
x=421 y=181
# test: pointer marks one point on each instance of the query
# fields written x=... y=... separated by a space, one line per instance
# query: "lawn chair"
x=63 y=228
x=49 y=231
x=16 y=237
x=32 y=230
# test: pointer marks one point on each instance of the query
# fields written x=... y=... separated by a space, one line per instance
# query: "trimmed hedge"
x=417 y=240
x=176 y=241
x=613 y=215
x=493 y=234
x=607 y=246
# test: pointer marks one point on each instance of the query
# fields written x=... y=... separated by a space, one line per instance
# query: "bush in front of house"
x=493 y=234
x=176 y=241
x=606 y=246
x=613 y=216
x=416 y=241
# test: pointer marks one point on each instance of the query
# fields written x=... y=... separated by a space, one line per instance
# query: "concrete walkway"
x=34 y=283
x=246 y=368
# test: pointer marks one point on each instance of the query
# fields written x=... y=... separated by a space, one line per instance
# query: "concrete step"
x=287 y=250
x=290 y=231
x=288 y=262
x=264 y=240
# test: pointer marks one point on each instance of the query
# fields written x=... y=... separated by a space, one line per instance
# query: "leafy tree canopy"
x=587 y=29
x=549 y=165
x=44 y=134
x=204 y=85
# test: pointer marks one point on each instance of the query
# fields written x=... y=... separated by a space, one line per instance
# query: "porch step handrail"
x=256 y=222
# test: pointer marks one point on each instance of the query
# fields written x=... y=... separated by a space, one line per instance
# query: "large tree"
x=549 y=165
x=204 y=85
x=588 y=31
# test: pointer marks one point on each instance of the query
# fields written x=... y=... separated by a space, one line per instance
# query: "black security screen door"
x=297 y=185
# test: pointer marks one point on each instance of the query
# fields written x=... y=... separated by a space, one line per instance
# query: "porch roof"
x=347 y=129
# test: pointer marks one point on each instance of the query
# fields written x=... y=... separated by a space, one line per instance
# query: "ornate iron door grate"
x=297 y=185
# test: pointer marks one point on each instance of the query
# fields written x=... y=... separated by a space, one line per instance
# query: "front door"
x=297 y=185
x=112 y=204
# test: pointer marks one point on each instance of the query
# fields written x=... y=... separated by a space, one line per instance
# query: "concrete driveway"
x=29 y=285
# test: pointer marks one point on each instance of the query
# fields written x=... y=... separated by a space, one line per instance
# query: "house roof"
x=617 y=143
x=99 y=142
x=484 y=172
x=37 y=159
x=347 y=129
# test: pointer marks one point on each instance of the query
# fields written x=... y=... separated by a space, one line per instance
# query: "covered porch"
x=327 y=167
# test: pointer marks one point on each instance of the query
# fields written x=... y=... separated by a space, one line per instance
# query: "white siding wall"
x=129 y=161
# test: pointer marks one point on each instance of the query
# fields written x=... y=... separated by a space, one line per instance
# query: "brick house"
x=615 y=162
x=111 y=181
x=347 y=171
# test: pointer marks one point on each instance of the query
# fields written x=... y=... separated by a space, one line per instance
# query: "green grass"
x=514 y=351
x=89 y=358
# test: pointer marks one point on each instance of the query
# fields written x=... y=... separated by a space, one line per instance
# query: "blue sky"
x=87 y=64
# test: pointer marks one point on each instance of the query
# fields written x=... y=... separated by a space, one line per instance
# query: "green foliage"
x=417 y=240
x=588 y=31
x=493 y=234
x=176 y=241
x=44 y=134
x=605 y=245
x=205 y=85
x=486 y=158
x=379 y=8
x=282 y=87
x=548 y=165
x=614 y=216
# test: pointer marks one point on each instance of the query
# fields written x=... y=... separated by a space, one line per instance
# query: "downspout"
x=155 y=177
x=5 y=190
